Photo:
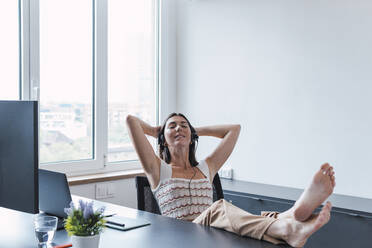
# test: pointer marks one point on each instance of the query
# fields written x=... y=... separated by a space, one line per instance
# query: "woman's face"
x=177 y=132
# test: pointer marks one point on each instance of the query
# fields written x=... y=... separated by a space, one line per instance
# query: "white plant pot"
x=85 y=241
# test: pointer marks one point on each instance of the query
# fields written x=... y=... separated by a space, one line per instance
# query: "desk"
x=17 y=231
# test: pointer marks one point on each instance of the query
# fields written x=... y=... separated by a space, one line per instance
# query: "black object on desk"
x=125 y=224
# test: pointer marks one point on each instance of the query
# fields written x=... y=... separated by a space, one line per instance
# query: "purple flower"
x=82 y=205
x=88 y=210
x=71 y=209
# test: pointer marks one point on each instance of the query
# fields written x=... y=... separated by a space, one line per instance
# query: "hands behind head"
x=156 y=131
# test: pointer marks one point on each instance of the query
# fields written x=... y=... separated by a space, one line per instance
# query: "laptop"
x=54 y=194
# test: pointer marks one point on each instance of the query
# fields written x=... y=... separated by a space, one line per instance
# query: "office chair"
x=146 y=200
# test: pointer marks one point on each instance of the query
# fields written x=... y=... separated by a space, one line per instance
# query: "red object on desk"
x=62 y=246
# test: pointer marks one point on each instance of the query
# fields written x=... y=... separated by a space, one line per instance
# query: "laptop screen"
x=54 y=193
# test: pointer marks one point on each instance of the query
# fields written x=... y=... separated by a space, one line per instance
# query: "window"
x=89 y=63
x=97 y=63
x=131 y=71
x=66 y=80
x=9 y=50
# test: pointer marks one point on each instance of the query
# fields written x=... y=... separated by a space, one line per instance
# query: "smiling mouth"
x=179 y=136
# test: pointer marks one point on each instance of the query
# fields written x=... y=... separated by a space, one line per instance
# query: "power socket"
x=229 y=173
x=101 y=191
x=105 y=190
x=226 y=173
x=110 y=190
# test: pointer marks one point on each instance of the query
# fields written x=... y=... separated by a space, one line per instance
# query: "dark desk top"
x=340 y=201
x=17 y=231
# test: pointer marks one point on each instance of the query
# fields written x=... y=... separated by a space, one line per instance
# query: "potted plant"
x=84 y=225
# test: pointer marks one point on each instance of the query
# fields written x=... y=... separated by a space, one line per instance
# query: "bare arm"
x=229 y=135
x=150 y=162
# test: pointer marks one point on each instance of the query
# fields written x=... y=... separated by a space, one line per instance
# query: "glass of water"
x=45 y=228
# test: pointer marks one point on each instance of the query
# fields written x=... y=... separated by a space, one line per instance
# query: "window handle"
x=35 y=94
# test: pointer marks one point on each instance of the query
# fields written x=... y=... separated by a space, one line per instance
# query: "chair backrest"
x=217 y=188
x=146 y=200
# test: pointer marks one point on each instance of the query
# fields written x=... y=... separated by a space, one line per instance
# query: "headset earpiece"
x=194 y=137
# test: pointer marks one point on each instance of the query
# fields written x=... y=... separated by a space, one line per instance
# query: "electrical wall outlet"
x=229 y=173
x=110 y=190
x=101 y=191
x=105 y=190
x=226 y=173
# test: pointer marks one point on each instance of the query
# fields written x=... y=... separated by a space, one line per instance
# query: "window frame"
x=30 y=68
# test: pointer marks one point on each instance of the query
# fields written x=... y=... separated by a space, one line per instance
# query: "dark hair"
x=163 y=149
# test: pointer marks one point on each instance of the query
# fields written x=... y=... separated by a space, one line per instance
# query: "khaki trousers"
x=224 y=215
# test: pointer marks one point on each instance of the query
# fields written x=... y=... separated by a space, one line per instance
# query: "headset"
x=194 y=136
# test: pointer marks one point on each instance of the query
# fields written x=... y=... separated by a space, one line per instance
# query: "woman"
x=182 y=185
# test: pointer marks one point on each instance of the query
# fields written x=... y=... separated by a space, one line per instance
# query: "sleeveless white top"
x=173 y=194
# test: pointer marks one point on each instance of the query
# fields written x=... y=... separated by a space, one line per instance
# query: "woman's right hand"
x=147 y=128
x=155 y=131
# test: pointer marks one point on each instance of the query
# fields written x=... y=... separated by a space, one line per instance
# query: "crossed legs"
x=294 y=226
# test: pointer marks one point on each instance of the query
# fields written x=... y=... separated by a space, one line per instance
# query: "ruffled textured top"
x=173 y=194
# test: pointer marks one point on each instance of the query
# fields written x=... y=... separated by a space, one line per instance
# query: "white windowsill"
x=104 y=177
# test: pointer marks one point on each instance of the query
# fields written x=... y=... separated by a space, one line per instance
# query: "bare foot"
x=299 y=232
x=320 y=188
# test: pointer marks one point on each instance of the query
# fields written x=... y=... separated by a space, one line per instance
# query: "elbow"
x=237 y=127
x=233 y=129
x=129 y=119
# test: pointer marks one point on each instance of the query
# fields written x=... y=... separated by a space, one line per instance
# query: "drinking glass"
x=45 y=228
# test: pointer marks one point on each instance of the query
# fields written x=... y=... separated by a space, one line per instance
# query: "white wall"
x=296 y=74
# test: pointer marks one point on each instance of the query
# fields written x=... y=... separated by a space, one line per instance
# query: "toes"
x=325 y=166
x=333 y=178
x=325 y=213
x=329 y=171
x=333 y=181
x=328 y=205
